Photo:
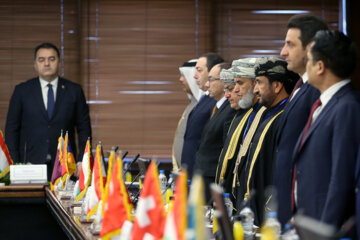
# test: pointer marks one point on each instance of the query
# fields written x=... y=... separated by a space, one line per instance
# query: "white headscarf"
x=188 y=72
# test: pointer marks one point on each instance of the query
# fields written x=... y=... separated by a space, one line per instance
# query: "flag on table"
x=85 y=172
x=109 y=173
x=56 y=173
x=5 y=159
x=68 y=165
x=150 y=213
x=196 y=224
x=117 y=207
x=176 y=220
x=98 y=181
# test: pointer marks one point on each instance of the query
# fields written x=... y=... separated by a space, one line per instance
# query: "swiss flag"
x=150 y=213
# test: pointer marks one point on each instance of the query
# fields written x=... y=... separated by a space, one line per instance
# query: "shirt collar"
x=330 y=92
x=220 y=102
x=305 y=77
x=44 y=83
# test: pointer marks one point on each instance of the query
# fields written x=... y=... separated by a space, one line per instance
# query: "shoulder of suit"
x=312 y=90
x=36 y=80
x=27 y=84
x=348 y=95
x=67 y=82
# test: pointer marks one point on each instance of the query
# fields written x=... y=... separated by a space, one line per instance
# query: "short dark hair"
x=212 y=59
x=46 y=45
x=308 y=25
x=224 y=65
x=337 y=51
x=276 y=70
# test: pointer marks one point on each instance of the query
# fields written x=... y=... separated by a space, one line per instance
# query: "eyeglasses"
x=210 y=79
x=226 y=90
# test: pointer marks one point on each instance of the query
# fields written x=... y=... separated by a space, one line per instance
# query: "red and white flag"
x=150 y=213
x=85 y=172
x=5 y=159
x=98 y=181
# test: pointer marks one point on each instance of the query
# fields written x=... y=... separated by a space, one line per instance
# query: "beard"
x=247 y=100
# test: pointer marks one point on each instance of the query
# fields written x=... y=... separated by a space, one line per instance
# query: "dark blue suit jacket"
x=30 y=135
x=291 y=123
x=357 y=191
x=194 y=128
x=325 y=165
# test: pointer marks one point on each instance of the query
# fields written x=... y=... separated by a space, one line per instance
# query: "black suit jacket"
x=29 y=133
x=229 y=164
x=291 y=123
x=257 y=171
x=212 y=140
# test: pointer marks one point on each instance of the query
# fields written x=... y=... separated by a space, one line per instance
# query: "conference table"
x=34 y=212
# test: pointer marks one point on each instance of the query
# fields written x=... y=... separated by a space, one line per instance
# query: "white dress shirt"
x=45 y=89
x=220 y=102
x=327 y=95
x=305 y=78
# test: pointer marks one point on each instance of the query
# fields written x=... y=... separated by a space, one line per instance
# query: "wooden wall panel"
x=23 y=26
x=140 y=46
x=116 y=48
x=243 y=33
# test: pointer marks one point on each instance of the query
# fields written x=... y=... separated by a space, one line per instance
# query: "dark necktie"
x=298 y=85
x=50 y=101
x=316 y=104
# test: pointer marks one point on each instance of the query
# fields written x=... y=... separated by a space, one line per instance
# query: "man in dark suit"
x=213 y=135
x=43 y=106
x=301 y=29
x=200 y=113
x=326 y=151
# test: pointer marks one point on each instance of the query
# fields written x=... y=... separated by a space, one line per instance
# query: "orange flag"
x=104 y=196
x=150 y=213
x=68 y=160
x=176 y=222
x=117 y=208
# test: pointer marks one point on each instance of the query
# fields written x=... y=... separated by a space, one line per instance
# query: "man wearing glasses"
x=212 y=138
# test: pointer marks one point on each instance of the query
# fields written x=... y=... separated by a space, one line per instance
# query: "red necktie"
x=317 y=104
x=298 y=85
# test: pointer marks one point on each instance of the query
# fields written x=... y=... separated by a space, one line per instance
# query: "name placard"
x=28 y=174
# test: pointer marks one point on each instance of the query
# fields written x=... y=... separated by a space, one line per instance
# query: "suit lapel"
x=288 y=108
x=323 y=114
x=39 y=97
x=329 y=106
x=59 y=96
x=222 y=107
